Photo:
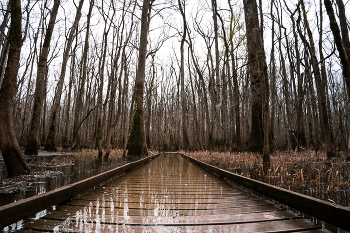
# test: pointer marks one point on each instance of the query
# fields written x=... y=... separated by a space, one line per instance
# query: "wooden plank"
x=209 y=219
x=24 y=208
x=125 y=206
x=168 y=212
x=168 y=199
x=189 y=200
x=174 y=205
x=71 y=225
x=334 y=214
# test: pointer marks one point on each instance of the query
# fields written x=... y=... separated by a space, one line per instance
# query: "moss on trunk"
x=136 y=144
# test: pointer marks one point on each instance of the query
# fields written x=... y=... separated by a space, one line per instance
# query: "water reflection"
x=166 y=189
x=51 y=171
x=168 y=194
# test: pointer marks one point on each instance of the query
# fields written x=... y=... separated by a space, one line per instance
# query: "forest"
x=212 y=76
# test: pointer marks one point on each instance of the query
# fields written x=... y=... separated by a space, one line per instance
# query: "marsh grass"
x=307 y=173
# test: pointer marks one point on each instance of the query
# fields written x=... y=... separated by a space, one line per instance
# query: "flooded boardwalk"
x=169 y=194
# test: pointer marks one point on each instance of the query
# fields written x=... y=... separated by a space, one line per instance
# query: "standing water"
x=53 y=170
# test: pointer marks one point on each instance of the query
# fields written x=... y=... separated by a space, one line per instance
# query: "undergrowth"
x=307 y=173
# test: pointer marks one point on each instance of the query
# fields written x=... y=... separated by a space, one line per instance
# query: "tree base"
x=50 y=147
x=31 y=147
x=14 y=161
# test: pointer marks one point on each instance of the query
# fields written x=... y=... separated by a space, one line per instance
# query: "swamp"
x=258 y=88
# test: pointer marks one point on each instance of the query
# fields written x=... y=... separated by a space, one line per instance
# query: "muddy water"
x=51 y=171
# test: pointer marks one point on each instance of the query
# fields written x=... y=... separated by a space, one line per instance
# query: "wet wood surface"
x=170 y=194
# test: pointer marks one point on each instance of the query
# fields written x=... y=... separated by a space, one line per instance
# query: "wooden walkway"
x=170 y=195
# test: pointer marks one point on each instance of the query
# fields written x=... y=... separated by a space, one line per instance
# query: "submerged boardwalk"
x=170 y=194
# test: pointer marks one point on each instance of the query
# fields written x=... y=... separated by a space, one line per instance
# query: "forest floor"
x=306 y=173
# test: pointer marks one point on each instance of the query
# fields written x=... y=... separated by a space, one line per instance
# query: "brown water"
x=51 y=171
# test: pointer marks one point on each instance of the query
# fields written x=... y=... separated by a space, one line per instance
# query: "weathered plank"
x=334 y=214
x=204 y=219
x=70 y=225
x=24 y=208
x=194 y=201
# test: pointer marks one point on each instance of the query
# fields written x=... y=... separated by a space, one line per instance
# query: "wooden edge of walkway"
x=16 y=211
x=334 y=214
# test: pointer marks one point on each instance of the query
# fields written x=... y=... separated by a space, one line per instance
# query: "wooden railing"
x=331 y=213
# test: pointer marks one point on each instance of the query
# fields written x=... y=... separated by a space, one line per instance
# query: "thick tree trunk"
x=254 y=55
x=137 y=139
x=344 y=59
x=33 y=137
x=343 y=26
x=11 y=152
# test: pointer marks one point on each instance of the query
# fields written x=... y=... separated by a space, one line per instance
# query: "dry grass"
x=307 y=173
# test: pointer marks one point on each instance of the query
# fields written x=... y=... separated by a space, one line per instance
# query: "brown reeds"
x=307 y=173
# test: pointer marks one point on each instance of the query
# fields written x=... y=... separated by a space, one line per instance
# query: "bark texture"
x=254 y=55
x=51 y=138
x=137 y=139
x=33 y=136
x=11 y=152
x=344 y=59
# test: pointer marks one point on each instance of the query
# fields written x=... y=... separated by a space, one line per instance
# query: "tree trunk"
x=33 y=137
x=273 y=78
x=254 y=55
x=196 y=129
x=11 y=152
x=216 y=90
x=51 y=138
x=182 y=79
x=319 y=85
x=4 y=41
x=344 y=59
x=343 y=26
x=66 y=127
x=137 y=139
x=206 y=107
x=79 y=101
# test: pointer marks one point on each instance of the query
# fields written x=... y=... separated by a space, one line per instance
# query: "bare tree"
x=137 y=139
x=254 y=47
x=343 y=44
x=319 y=84
x=11 y=152
x=33 y=136
x=79 y=101
x=182 y=76
x=51 y=138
